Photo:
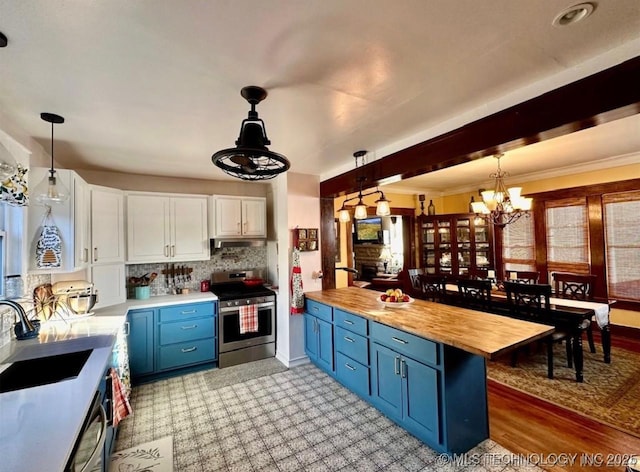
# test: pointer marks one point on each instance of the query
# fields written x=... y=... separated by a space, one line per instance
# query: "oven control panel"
x=246 y=301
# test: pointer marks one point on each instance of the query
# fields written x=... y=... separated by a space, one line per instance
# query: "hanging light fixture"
x=502 y=206
x=51 y=189
x=251 y=159
x=360 y=212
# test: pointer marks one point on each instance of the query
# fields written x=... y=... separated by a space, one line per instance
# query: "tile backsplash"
x=225 y=259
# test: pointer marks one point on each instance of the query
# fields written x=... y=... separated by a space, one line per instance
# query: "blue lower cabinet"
x=140 y=342
x=352 y=374
x=318 y=340
x=185 y=354
x=407 y=391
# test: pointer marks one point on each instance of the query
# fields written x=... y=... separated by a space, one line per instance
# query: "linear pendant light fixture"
x=360 y=212
x=251 y=159
x=51 y=190
x=502 y=206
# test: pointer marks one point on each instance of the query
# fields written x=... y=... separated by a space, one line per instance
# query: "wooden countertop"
x=473 y=331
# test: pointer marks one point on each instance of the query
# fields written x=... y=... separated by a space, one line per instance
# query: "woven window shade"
x=518 y=245
x=567 y=236
x=622 y=220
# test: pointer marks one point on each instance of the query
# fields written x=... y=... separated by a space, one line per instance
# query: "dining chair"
x=575 y=287
x=433 y=287
x=523 y=276
x=531 y=302
x=475 y=294
x=414 y=279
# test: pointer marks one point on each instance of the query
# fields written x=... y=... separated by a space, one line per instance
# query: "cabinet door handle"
x=350 y=367
x=189 y=327
x=348 y=339
x=349 y=322
x=191 y=349
x=396 y=365
x=398 y=340
x=85 y=255
x=239 y=230
x=95 y=254
x=245 y=226
x=316 y=328
x=127 y=328
x=173 y=250
x=166 y=250
x=188 y=312
x=403 y=369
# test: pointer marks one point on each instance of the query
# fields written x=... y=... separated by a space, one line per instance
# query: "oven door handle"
x=229 y=309
x=100 y=443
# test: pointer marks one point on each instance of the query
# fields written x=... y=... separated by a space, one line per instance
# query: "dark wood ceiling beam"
x=602 y=97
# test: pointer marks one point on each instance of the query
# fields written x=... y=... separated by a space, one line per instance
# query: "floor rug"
x=609 y=394
x=154 y=456
x=218 y=378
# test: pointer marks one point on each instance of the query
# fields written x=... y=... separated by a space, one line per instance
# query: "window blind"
x=518 y=245
x=567 y=235
x=622 y=244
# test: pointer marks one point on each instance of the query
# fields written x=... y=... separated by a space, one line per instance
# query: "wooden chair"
x=523 y=276
x=475 y=294
x=433 y=287
x=575 y=287
x=531 y=302
x=414 y=279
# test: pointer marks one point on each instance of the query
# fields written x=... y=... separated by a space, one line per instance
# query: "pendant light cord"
x=52 y=171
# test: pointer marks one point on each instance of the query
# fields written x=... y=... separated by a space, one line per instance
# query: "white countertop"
x=39 y=425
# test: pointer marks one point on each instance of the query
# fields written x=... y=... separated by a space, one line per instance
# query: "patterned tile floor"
x=298 y=420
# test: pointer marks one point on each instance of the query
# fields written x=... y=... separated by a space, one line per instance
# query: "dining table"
x=566 y=314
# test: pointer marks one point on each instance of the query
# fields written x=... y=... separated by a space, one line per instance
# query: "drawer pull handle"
x=396 y=365
x=350 y=367
x=398 y=340
x=191 y=349
x=316 y=308
x=348 y=339
x=188 y=312
x=189 y=327
x=349 y=322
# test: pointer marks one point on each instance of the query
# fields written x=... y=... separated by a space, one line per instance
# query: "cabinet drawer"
x=188 y=310
x=182 y=354
x=187 y=330
x=352 y=345
x=349 y=321
x=324 y=312
x=413 y=346
x=352 y=374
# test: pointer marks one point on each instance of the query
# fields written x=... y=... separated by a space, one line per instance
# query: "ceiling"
x=153 y=86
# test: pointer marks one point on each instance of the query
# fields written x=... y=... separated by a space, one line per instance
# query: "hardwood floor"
x=527 y=425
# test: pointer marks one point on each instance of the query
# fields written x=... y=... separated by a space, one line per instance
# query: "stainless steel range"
x=235 y=290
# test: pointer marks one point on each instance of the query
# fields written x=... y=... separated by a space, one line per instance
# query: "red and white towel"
x=248 y=319
x=121 y=405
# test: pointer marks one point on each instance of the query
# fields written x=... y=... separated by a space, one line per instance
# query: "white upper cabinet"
x=238 y=217
x=107 y=225
x=163 y=227
x=68 y=239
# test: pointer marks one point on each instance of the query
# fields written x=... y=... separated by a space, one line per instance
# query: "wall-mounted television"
x=368 y=230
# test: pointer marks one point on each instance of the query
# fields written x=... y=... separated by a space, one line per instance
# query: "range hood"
x=222 y=243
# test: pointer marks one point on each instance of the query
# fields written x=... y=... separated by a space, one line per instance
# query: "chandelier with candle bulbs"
x=360 y=212
x=502 y=206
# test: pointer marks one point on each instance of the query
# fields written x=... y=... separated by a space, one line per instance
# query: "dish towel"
x=121 y=405
x=248 y=319
x=297 y=295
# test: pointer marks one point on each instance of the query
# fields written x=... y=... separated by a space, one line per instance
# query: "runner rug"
x=218 y=378
x=154 y=456
x=610 y=393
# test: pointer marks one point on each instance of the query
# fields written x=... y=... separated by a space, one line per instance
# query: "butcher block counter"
x=480 y=333
x=423 y=365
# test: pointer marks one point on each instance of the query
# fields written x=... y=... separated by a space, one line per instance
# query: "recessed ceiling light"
x=574 y=14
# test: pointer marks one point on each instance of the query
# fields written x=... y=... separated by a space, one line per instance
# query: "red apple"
x=392 y=299
x=383 y=297
x=405 y=298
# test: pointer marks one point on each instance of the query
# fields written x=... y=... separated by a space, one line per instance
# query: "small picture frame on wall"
x=313 y=245
x=302 y=233
x=313 y=234
x=302 y=245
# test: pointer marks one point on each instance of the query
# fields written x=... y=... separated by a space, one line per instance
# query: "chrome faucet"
x=24 y=328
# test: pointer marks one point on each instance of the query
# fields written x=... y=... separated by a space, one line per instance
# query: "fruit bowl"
x=396 y=304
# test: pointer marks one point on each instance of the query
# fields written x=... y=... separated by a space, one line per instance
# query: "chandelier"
x=502 y=206
x=360 y=212
x=251 y=159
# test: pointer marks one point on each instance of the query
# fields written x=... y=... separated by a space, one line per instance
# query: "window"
x=518 y=245
x=567 y=236
x=622 y=240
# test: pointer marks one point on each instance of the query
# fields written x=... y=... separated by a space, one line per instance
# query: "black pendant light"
x=251 y=159
x=51 y=190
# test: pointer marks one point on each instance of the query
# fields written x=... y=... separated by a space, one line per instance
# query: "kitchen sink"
x=43 y=370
